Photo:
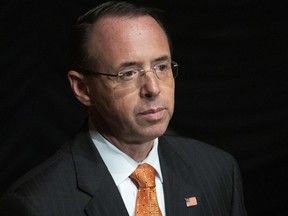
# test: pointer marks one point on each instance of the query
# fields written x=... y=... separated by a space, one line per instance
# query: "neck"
x=138 y=151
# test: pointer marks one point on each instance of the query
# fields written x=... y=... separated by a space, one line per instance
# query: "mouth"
x=153 y=114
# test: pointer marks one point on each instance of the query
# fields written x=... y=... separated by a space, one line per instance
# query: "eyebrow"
x=139 y=64
x=162 y=58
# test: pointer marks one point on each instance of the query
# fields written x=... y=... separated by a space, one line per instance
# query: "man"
x=124 y=74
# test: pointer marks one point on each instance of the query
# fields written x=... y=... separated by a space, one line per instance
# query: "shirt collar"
x=119 y=164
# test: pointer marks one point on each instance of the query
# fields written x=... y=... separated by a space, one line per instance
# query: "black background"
x=231 y=92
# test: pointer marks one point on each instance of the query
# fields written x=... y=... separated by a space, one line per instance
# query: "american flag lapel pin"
x=191 y=201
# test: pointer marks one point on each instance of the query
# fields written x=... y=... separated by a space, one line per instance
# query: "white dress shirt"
x=121 y=166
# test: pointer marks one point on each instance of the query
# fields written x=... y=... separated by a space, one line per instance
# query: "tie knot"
x=144 y=175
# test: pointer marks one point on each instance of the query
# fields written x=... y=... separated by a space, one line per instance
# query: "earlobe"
x=79 y=87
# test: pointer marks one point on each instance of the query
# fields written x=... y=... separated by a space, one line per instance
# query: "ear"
x=79 y=87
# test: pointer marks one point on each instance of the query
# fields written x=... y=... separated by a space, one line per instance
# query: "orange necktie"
x=146 y=202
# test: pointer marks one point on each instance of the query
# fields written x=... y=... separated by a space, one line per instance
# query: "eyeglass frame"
x=174 y=65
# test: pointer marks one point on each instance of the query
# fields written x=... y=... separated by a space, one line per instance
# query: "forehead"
x=127 y=36
x=112 y=22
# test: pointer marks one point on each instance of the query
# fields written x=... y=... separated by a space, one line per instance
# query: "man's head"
x=123 y=72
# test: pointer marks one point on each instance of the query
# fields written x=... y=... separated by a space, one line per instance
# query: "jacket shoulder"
x=48 y=188
x=199 y=153
x=184 y=144
x=46 y=171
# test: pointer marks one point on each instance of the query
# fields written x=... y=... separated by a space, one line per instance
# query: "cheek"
x=122 y=100
x=124 y=95
x=168 y=91
x=169 y=97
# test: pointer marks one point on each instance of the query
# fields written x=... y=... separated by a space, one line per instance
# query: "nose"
x=150 y=85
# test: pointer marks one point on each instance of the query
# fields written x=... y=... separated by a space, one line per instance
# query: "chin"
x=154 y=132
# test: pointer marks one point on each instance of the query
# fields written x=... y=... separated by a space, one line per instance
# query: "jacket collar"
x=94 y=178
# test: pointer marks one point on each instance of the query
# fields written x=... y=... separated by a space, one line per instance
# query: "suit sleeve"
x=238 y=206
x=16 y=205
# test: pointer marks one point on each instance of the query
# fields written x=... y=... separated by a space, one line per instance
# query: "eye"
x=128 y=74
x=162 y=67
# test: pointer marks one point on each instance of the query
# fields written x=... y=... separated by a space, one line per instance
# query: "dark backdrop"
x=232 y=90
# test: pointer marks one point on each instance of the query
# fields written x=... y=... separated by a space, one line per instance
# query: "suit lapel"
x=94 y=178
x=177 y=183
x=106 y=201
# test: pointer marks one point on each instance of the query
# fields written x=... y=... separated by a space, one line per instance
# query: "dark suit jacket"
x=75 y=181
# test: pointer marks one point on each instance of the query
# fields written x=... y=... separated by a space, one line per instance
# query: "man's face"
x=134 y=111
